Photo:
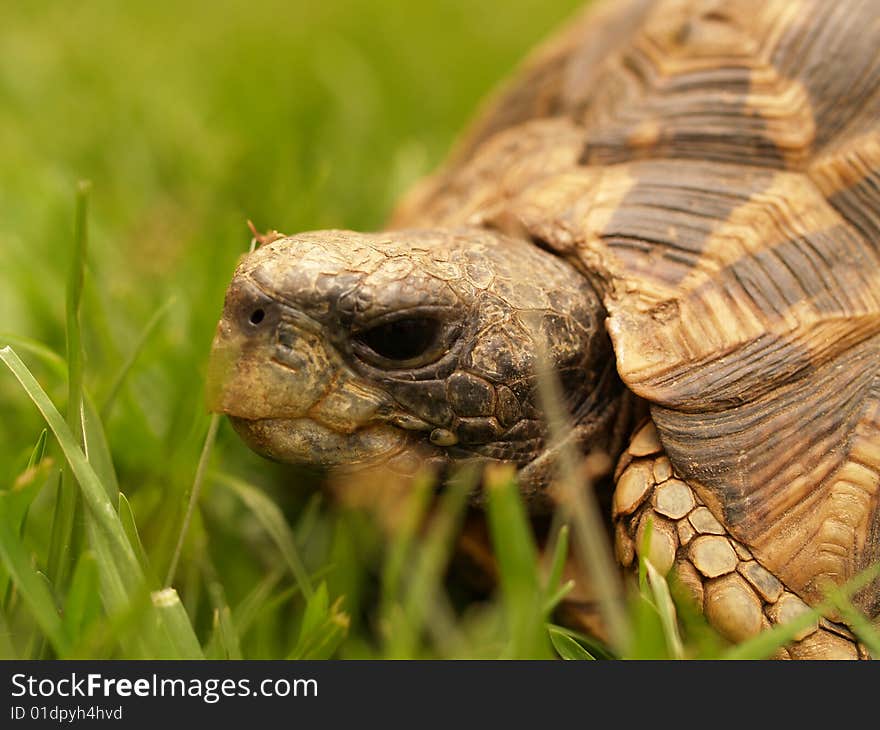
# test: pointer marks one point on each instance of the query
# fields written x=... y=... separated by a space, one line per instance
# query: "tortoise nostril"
x=257 y=316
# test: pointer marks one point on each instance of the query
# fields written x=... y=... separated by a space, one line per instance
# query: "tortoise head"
x=346 y=349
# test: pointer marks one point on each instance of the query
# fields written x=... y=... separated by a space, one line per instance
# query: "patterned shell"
x=714 y=168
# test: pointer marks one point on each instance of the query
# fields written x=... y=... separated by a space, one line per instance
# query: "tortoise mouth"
x=307 y=441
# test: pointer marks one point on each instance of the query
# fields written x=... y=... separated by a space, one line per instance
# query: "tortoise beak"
x=221 y=367
x=286 y=389
x=263 y=365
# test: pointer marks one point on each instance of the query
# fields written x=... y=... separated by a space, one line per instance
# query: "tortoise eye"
x=399 y=342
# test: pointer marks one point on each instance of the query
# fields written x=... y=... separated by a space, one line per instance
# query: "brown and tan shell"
x=714 y=167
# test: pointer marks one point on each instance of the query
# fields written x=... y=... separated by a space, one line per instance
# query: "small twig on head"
x=261 y=239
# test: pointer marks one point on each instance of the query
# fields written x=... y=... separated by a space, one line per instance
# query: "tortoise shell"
x=714 y=168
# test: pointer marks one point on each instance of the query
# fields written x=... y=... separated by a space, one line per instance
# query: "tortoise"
x=678 y=203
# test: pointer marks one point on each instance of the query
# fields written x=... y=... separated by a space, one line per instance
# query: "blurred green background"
x=190 y=118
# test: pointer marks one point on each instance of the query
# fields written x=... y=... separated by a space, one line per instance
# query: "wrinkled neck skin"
x=403 y=348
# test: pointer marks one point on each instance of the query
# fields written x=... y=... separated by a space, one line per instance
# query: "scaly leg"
x=737 y=594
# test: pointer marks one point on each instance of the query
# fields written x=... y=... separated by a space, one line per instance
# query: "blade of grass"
x=74 y=296
x=31 y=585
x=323 y=627
x=116 y=635
x=28 y=484
x=308 y=518
x=60 y=551
x=267 y=612
x=592 y=645
x=858 y=622
x=763 y=645
x=38 y=646
x=94 y=492
x=121 y=574
x=514 y=547
x=171 y=618
x=410 y=613
x=580 y=503
x=7 y=648
x=644 y=551
x=650 y=626
x=554 y=599
x=435 y=549
x=201 y=469
x=839 y=597
x=116 y=593
x=126 y=367
x=400 y=549
x=272 y=520
x=39 y=451
x=80 y=605
x=245 y=612
x=227 y=638
x=64 y=519
x=45 y=354
x=560 y=556
x=555 y=591
x=126 y=515
x=512 y=537
x=17 y=501
x=666 y=610
x=225 y=642
x=98 y=450
x=567 y=647
x=316 y=612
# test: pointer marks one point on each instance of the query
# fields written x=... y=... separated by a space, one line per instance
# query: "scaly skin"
x=737 y=594
x=456 y=320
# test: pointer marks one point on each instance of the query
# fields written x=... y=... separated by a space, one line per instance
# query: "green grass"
x=132 y=524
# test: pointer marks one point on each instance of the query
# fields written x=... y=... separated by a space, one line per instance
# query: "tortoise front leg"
x=738 y=595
